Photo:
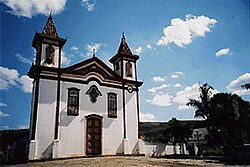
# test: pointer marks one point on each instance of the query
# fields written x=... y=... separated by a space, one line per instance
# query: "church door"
x=94 y=135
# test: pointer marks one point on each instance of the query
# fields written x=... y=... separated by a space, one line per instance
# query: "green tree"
x=178 y=133
x=227 y=117
x=230 y=113
x=246 y=86
x=202 y=106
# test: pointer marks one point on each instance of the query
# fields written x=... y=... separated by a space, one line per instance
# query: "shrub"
x=217 y=151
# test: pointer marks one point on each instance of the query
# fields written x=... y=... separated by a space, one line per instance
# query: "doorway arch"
x=94 y=135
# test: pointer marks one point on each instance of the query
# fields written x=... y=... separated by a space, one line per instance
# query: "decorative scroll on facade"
x=93 y=93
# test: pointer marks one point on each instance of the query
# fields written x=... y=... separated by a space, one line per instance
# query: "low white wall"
x=160 y=149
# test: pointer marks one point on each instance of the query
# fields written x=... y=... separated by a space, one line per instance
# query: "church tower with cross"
x=85 y=109
x=48 y=46
x=125 y=62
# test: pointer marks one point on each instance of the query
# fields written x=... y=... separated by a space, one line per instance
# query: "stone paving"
x=122 y=161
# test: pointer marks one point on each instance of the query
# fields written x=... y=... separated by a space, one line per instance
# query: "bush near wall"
x=217 y=151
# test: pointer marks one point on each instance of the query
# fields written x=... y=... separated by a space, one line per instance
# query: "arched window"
x=112 y=105
x=129 y=69
x=73 y=101
x=50 y=53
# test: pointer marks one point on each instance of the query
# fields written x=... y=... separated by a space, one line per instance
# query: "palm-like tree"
x=246 y=86
x=202 y=106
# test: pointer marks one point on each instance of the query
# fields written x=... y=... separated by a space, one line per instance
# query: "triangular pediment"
x=93 y=66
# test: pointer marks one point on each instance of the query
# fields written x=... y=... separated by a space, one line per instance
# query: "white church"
x=85 y=109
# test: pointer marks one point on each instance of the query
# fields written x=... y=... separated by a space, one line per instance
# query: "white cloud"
x=149 y=46
x=91 y=47
x=158 y=79
x=34 y=55
x=29 y=8
x=177 y=85
x=221 y=52
x=65 y=60
x=179 y=73
x=3 y=104
x=26 y=84
x=161 y=100
x=235 y=85
x=147 y=117
x=184 y=107
x=190 y=92
x=4 y=84
x=74 y=48
x=183 y=32
x=154 y=89
x=23 y=127
x=2 y=114
x=176 y=74
x=23 y=59
x=88 y=5
x=138 y=50
x=4 y=127
x=8 y=77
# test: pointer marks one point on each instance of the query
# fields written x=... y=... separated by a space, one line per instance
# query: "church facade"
x=85 y=109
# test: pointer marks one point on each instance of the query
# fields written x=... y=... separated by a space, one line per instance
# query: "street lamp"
x=197 y=134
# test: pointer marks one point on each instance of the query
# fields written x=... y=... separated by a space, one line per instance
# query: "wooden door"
x=93 y=137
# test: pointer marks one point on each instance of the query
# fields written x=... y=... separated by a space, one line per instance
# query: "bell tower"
x=124 y=61
x=48 y=46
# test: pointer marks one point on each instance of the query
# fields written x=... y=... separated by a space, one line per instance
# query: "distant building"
x=14 y=146
x=85 y=109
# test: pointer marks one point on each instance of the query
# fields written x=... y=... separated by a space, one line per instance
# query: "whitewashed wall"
x=32 y=146
x=160 y=149
x=72 y=133
x=131 y=122
x=72 y=129
x=45 y=119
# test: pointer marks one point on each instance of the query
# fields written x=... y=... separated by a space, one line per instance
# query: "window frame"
x=77 y=105
x=111 y=109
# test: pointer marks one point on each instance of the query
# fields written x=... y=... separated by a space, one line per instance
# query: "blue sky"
x=180 y=43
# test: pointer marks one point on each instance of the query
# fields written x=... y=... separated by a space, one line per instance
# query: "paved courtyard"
x=122 y=161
